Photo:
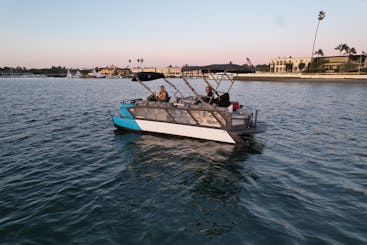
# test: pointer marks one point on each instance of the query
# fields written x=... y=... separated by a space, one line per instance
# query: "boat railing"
x=190 y=114
x=189 y=111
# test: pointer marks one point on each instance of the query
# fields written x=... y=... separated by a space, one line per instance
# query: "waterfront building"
x=341 y=63
x=172 y=71
x=289 y=65
x=167 y=71
x=114 y=70
x=193 y=73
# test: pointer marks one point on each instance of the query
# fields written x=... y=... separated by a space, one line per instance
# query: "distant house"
x=113 y=70
x=289 y=65
x=193 y=73
x=171 y=71
x=344 y=63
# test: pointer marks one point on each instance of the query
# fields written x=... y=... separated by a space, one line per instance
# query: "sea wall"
x=302 y=77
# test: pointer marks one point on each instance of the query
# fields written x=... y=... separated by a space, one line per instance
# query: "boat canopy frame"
x=142 y=77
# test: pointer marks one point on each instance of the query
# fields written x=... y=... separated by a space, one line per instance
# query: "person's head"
x=208 y=89
x=162 y=88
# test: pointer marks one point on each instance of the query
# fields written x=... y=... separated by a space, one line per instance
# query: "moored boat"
x=95 y=74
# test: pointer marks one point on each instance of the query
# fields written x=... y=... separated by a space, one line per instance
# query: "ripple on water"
x=67 y=176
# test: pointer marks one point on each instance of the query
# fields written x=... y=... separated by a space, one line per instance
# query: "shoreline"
x=315 y=78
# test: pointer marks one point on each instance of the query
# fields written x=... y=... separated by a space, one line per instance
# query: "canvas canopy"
x=147 y=76
x=232 y=68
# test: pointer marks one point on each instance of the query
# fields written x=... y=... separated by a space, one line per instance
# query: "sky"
x=90 y=33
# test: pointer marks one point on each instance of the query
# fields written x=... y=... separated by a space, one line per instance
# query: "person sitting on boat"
x=163 y=95
x=209 y=91
x=209 y=95
x=152 y=97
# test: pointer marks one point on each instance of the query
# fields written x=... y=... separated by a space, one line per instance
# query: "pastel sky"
x=89 y=33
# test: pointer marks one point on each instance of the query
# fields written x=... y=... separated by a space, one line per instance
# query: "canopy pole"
x=173 y=86
x=229 y=79
x=145 y=86
x=206 y=105
x=215 y=90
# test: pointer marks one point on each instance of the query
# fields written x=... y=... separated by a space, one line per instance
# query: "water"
x=68 y=177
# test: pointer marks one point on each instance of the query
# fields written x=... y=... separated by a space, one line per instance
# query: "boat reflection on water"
x=196 y=175
x=186 y=149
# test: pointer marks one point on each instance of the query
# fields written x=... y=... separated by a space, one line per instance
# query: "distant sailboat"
x=68 y=74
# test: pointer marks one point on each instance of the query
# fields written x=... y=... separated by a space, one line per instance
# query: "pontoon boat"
x=215 y=118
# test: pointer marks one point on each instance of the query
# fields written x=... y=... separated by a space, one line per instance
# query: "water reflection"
x=186 y=148
x=202 y=176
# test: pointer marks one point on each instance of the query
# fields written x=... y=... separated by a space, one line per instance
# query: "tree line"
x=54 y=71
x=343 y=49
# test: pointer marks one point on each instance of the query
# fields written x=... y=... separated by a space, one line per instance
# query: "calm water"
x=68 y=177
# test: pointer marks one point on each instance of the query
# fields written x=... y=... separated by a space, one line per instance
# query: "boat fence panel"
x=220 y=118
x=156 y=114
x=181 y=116
x=205 y=118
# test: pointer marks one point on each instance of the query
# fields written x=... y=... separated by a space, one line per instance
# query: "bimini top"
x=147 y=76
x=233 y=68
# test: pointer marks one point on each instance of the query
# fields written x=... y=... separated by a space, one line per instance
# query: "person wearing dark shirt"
x=209 y=91
x=209 y=95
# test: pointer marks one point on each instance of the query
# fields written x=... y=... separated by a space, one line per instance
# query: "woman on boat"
x=209 y=95
x=209 y=91
x=162 y=95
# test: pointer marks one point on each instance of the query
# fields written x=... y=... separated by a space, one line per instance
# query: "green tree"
x=319 y=52
x=340 y=48
x=352 y=51
x=289 y=67
x=263 y=68
x=301 y=66
x=345 y=49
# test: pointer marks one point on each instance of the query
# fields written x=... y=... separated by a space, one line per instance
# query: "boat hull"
x=213 y=134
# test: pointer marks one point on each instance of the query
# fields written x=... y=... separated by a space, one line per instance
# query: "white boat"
x=70 y=75
x=217 y=119
x=95 y=74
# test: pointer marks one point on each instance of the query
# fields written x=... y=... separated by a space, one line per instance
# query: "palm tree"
x=352 y=51
x=141 y=61
x=340 y=48
x=319 y=52
x=320 y=18
x=347 y=50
